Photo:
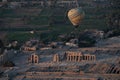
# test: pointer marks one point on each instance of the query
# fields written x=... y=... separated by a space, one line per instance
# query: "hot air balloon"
x=76 y=15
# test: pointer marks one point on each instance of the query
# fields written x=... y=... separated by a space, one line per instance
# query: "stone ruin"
x=56 y=58
x=74 y=57
x=33 y=58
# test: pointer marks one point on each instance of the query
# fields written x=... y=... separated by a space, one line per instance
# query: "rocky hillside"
x=109 y=42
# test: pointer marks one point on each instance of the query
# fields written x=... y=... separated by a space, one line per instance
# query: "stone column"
x=79 y=58
x=94 y=58
x=68 y=58
x=74 y=58
x=84 y=57
x=91 y=58
x=32 y=57
x=35 y=59
x=56 y=58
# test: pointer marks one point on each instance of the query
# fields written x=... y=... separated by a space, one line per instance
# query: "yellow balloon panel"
x=76 y=20
x=76 y=15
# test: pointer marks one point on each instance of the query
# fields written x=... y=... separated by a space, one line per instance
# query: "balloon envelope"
x=76 y=15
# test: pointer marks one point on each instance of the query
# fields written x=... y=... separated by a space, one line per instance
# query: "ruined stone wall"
x=70 y=76
x=55 y=75
x=29 y=48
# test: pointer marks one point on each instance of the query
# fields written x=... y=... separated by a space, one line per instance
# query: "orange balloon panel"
x=75 y=16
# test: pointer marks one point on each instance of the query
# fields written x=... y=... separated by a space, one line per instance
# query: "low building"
x=29 y=48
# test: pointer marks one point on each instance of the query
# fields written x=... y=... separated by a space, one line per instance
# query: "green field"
x=94 y=19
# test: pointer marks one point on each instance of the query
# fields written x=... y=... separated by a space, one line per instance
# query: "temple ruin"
x=78 y=56
x=74 y=57
x=33 y=58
